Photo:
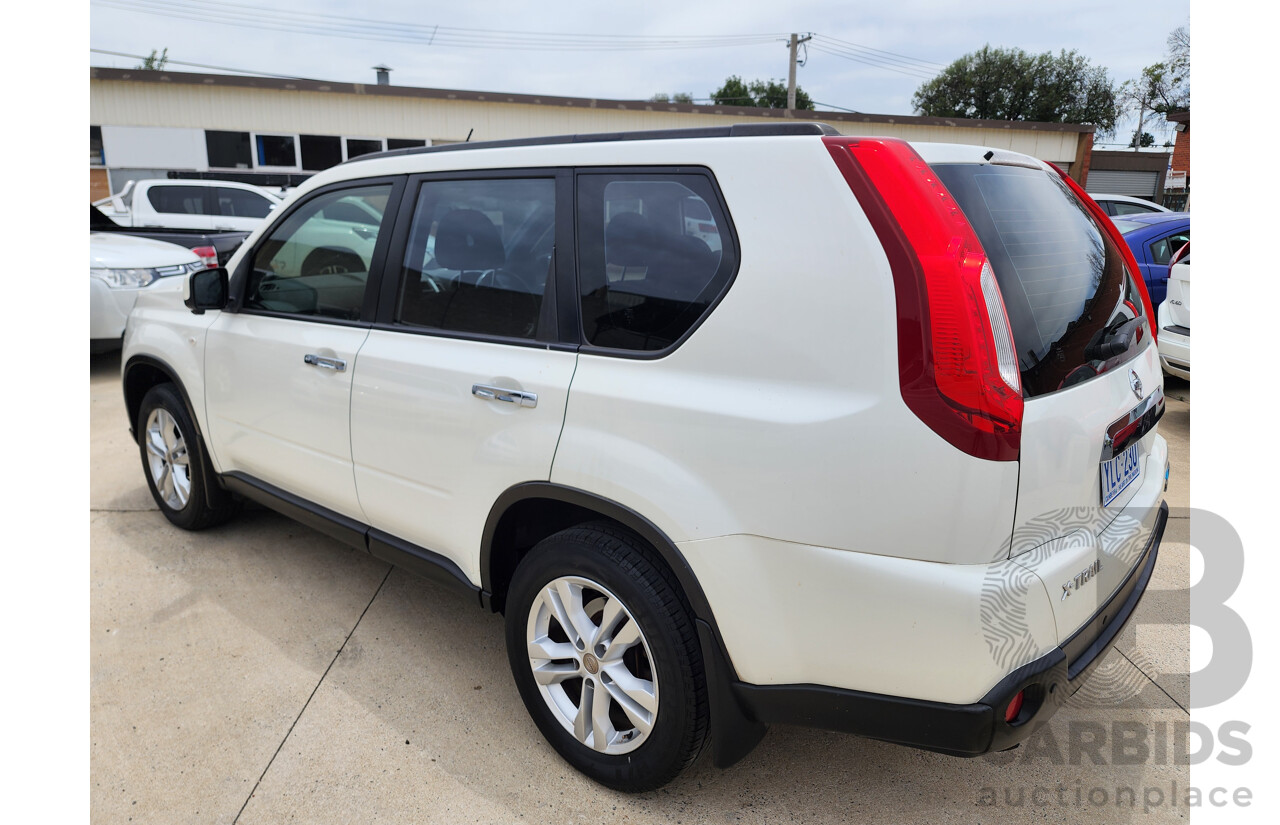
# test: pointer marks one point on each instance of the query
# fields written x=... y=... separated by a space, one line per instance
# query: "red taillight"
x=1130 y=263
x=1015 y=707
x=208 y=255
x=957 y=364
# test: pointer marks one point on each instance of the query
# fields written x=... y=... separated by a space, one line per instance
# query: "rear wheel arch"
x=527 y=513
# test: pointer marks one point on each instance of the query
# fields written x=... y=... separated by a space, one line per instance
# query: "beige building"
x=275 y=131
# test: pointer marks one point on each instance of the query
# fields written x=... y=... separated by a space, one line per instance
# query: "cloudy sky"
x=868 y=57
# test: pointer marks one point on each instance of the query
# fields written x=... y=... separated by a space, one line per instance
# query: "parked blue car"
x=1154 y=238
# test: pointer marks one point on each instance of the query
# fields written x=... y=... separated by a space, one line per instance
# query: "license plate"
x=1119 y=472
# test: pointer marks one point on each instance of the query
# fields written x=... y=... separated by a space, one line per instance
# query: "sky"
x=868 y=57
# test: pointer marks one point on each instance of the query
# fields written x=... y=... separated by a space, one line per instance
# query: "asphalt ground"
x=261 y=672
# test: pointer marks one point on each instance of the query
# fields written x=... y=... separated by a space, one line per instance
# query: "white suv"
x=736 y=426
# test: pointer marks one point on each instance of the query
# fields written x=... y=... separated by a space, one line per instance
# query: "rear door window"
x=240 y=203
x=1162 y=250
x=1063 y=279
x=654 y=253
x=479 y=257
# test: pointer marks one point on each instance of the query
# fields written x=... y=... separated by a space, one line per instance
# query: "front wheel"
x=605 y=655
x=173 y=460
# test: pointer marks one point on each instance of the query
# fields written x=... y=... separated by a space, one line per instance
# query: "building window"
x=277 y=150
x=319 y=152
x=96 y=156
x=228 y=150
x=402 y=143
x=362 y=146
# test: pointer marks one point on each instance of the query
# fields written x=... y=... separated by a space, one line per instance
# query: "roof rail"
x=736 y=130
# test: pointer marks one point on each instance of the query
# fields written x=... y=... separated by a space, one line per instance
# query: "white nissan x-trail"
x=736 y=426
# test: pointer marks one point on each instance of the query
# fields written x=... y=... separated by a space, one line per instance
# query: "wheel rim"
x=167 y=459
x=592 y=665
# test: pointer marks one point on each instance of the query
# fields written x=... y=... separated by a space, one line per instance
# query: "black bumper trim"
x=962 y=730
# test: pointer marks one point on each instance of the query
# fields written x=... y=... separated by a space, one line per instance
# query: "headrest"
x=467 y=239
x=628 y=240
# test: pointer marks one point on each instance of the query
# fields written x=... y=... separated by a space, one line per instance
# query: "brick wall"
x=1182 y=153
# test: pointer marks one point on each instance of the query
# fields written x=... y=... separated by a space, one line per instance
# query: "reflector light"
x=207 y=254
x=957 y=363
x=1014 y=708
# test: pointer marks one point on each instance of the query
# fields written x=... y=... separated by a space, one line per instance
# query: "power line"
x=240 y=15
x=169 y=60
x=920 y=74
x=859 y=47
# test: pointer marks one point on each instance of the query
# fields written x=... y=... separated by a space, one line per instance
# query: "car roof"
x=1157 y=218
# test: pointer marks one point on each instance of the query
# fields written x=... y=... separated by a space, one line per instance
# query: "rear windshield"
x=1063 y=280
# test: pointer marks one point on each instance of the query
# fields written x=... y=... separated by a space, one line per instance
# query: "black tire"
x=171 y=448
x=629 y=570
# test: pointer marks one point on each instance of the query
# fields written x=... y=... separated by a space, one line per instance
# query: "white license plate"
x=1119 y=472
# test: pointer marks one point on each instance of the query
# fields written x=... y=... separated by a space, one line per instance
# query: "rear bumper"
x=1175 y=353
x=960 y=730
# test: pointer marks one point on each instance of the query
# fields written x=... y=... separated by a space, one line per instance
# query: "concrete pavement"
x=262 y=673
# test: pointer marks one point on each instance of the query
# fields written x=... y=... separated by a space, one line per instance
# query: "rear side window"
x=1063 y=280
x=479 y=256
x=238 y=203
x=654 y=253
x=1163 y=249
x=178 y=200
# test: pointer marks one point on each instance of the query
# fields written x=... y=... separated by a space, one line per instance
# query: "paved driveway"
x=262 y=673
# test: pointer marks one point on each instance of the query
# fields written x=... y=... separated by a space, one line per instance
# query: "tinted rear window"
x=1063 y=280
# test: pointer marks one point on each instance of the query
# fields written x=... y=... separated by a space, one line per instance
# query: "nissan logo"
x=1135 y=384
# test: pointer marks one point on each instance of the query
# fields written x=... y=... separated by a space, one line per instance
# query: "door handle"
x=335 y=364
x=488 y=393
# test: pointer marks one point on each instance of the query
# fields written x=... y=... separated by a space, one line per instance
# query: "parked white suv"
x=120 y=267
x=882 y=458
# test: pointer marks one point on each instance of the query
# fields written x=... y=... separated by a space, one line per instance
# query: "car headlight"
x=124 y=278
x=138 y=278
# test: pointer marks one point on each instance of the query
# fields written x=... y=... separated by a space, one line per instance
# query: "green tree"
x=678 y=97
x=1012 y=84
x=761 y=94
x=154 y=62
x=1146 y=140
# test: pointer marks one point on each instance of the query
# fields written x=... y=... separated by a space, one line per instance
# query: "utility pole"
x=796 y=40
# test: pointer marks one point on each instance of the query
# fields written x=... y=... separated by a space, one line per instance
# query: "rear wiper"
x=1113 y=340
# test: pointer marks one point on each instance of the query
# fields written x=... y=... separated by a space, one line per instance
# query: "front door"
x=279 y=369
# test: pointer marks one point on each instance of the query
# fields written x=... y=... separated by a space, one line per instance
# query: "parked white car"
x=210 y=205
x=907 y=484
x=1118 y=205
x=120 y=267
x=1174 y=316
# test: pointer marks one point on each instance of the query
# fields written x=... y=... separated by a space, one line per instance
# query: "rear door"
x=1091 y=381
x=460 y=390
x=239 y=209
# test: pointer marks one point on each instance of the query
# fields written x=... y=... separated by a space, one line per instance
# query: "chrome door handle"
x=335 y=364
x=488 y=393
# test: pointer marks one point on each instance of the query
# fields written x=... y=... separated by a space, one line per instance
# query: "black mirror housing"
x=206 y=289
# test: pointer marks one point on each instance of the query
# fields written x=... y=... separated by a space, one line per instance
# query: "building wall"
x=211 y=105
x=1182 y=153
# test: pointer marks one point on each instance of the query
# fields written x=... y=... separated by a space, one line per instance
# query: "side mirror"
x=206 y=289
